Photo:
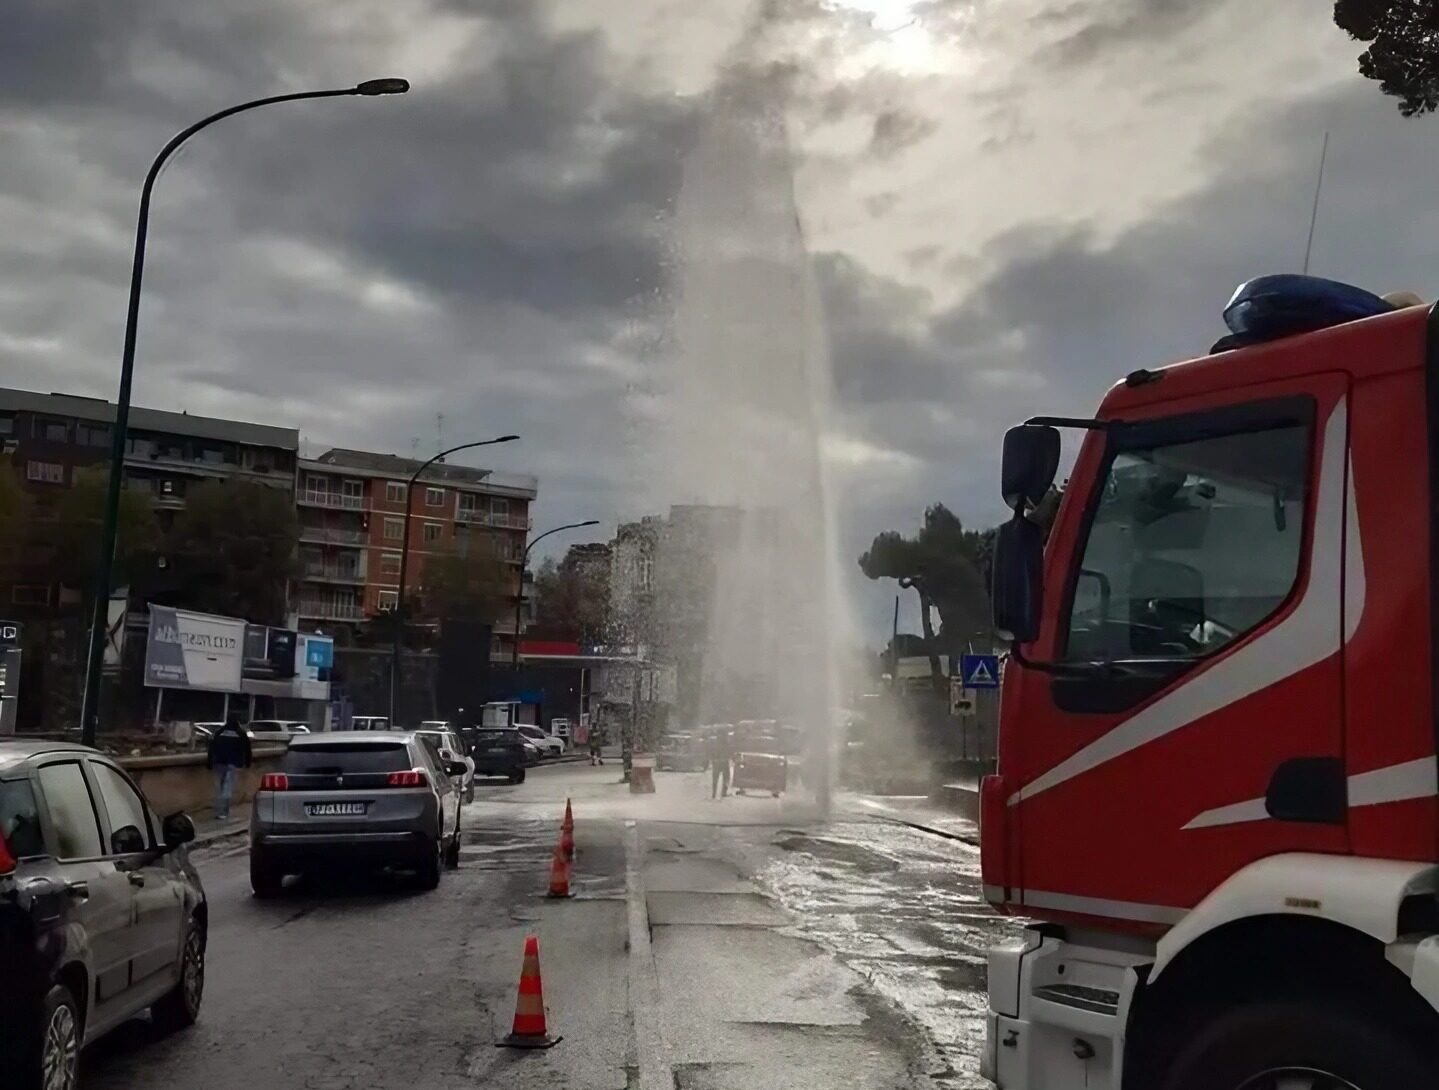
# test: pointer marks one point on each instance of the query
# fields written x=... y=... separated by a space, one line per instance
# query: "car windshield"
x=346 y=757
x=495 y=737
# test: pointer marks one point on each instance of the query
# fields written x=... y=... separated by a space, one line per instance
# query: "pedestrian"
x=229 y=752
x=596 y=747
x=720 y=755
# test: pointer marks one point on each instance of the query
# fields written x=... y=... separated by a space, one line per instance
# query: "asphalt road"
x=729 y=944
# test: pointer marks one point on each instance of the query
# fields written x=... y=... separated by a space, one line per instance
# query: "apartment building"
x=352 y=530
x=47 y=437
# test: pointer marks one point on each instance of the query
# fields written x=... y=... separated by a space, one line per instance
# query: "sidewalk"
x=208 y=830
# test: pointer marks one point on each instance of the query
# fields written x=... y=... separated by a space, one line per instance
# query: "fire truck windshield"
x=1189 y=545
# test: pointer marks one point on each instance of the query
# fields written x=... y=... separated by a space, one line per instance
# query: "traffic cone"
x=529 y=1029
x=567 y=833
x=559 y=873
x=569 y=823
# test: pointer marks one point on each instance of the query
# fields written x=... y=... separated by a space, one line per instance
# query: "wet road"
x=711 y=946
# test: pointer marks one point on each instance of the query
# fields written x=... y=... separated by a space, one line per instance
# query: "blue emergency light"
x=1269 y=307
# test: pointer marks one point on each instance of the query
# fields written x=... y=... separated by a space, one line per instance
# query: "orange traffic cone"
x=567 y=833
x=560 y=873
x=529 y=1029
x=569 y=823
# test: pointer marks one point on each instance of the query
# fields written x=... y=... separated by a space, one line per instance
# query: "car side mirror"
x=178 y=829
x=1018 y=587
x=127 y=840
x=456 y=768
x=1030 y=461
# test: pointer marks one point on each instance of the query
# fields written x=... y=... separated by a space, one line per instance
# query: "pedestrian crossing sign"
x=980 y=671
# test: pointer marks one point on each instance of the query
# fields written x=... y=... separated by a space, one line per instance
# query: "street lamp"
x=520 y=600
x=405 y=563
x=90 y=702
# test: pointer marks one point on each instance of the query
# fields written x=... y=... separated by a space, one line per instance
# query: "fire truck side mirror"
x=1031 y=459
x=1018 y=586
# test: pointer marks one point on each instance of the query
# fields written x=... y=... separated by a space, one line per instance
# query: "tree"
x=74 y=534
x=942 y=564
x=232 y=549
x=1403 y=55
x=465 y=586
x=571 y=600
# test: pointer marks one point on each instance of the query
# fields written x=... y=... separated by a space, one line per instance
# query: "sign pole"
x=159 y=703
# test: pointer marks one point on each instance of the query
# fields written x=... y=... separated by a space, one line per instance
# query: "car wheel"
x=427 y=874
x=265 y=880
x=180 y=1006
x=52 y=1060
x=1299 y=1043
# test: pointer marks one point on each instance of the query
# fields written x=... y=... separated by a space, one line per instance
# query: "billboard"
x=187 y=650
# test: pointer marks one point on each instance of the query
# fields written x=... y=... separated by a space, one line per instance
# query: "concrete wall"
x=180 y=781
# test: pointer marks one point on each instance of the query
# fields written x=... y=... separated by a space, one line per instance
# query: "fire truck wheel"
x=1299 y=1044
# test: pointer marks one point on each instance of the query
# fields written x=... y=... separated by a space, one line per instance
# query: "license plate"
x=336 y=809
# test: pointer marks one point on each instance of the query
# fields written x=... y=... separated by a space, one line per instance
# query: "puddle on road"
x=905 y=909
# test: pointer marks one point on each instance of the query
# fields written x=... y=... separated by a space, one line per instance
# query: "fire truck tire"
x=1309 y=1043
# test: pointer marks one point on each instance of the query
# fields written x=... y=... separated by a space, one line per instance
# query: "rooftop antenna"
x=439 y=431
x=415 y=447
x=1314 y=212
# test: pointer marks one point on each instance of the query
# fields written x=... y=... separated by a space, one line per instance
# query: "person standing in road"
x=229 y=752
x=597 y=743
x=720 y=756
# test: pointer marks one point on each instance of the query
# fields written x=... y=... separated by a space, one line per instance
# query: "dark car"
x=681 y=752
x=498 y=751
x=366 y=798
x=101 y=913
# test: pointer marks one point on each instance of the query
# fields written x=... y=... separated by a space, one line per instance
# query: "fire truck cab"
x=1217 y=792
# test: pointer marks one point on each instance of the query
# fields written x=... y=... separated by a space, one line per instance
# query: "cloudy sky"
x=1008 y=204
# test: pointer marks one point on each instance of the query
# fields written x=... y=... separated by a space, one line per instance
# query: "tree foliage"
x=571 y=601
x=943 y=563
x=1403 y=53
x=232 y=550
x=466 y=586
x=74 y=534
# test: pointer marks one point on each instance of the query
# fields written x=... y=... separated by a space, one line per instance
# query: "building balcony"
x=327 y=609
x=325 y=535
x=316 y=572
x=476 y=517
x=341 y=501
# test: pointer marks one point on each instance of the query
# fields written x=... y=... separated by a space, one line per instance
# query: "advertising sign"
x=315 y=657
x=187 y=650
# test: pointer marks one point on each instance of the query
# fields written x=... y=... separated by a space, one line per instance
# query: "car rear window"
x=346 y=758
x=494 y=737
x=19 y=819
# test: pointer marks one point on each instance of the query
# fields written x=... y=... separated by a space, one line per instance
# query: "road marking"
x=655 y=1070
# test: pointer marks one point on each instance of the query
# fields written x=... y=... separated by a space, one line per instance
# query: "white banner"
x=194 y=650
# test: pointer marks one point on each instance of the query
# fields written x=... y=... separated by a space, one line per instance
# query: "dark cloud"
x=1108 y=25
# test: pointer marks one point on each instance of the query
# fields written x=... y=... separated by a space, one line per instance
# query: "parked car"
x=358 y=798
x=681 y=752
x=500 y=751
x=547 y=744
x=369 y=722
x=451 y=747
x=101 y=913
x=275 y=730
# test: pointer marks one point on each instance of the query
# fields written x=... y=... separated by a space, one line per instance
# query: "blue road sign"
x=979 y=671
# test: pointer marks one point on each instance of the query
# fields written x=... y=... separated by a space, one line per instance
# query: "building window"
x=432 y=532
x=57 y=431
x=7 y=424
x=47 y=472
x=499 y=506
x=434 y=497
x=647 y=572
x=394 y=529
x=30 y=595
x=353 y=490
x=388 y=600
x=390 y=565
x=394 y=492
x=92 y=435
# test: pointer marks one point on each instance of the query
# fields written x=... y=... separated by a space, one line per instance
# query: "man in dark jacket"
x=229 y=752
x=721 y=753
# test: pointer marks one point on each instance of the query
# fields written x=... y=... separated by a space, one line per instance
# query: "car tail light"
x=274 y=781
x=413 y=778
x=7 y=861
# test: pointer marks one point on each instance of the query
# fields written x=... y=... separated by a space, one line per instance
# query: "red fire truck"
x=1217 y=792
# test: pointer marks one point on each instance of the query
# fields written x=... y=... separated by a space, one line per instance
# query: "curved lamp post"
x=90 y=704
x=405 y=563
x=520 y=598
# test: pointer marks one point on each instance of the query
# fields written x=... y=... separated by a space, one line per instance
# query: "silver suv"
x=358 y=798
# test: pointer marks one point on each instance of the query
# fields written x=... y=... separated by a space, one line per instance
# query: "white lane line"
x=655 y=1070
